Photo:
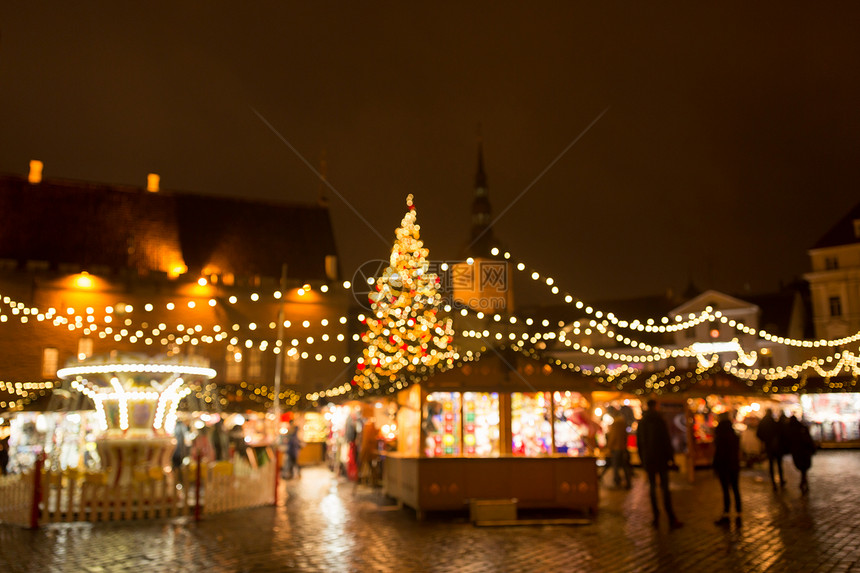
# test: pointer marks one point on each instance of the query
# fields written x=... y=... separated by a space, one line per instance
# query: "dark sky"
x=730 y=144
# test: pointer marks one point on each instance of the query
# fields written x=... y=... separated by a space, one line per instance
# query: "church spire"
x=482 y=239
x=480 y=176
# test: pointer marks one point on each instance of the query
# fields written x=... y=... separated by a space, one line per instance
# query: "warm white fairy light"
x=403 y=332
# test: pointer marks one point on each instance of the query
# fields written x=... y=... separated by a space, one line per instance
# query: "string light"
x=403 y=332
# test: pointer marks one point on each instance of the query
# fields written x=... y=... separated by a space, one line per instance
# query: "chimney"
x=35 y=175
x=152 y=181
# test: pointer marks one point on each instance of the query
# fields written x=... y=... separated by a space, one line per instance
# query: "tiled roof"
x=842 y=233
x=121 y=227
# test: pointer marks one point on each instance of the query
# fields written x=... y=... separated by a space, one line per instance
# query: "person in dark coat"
x=656 y=453
x=294 y=446
x=4 y=455
x=802 y=447
x=727 y=465
x=771 y=434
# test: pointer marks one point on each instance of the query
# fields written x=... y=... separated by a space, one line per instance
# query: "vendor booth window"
x=442 y=424
x=50 y=361
x=530 y=426
x=255 y=363
x=291 y=368
x=234 y=366
x=480 y=423
x=573 y=427
x=85 y=348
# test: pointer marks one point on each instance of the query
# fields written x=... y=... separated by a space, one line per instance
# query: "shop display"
x=481 y=423
x=442 y=424
x=314 y=428
x=66 y=438
x=530 y=427
x=574 y=428
x=832 y=418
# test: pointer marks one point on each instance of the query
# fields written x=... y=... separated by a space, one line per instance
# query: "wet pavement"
x=324 y=523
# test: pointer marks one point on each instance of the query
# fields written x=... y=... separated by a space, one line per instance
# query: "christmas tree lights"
x=404 y=333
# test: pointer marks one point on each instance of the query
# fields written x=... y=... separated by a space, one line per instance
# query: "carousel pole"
x=279 y=370
x=279 y=357
x=37 y=490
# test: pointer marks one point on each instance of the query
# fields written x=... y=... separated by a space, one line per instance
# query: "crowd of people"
x=780 y=437
x=204 y=444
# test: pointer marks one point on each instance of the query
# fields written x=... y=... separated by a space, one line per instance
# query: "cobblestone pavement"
x=327 y=524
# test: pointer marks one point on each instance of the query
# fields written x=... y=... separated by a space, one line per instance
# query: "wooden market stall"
x=501 y=428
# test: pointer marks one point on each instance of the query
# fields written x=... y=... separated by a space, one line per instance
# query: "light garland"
x=170 y=391
x=26 y=392
x=119 y=328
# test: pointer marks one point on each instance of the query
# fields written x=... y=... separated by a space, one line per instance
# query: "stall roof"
x=502 y=370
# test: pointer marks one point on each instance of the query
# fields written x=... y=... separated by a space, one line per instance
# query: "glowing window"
x=50 y=362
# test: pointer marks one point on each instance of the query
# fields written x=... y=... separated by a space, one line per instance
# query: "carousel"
x=135 y=400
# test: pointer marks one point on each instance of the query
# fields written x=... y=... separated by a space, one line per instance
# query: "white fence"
x=74 y=496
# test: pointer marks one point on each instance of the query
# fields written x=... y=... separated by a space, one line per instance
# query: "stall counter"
x=451 y=483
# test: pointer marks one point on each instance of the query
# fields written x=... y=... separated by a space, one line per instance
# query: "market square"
x=428 y=288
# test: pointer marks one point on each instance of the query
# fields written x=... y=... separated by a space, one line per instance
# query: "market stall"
x=834 y=418
x=67 y=440
x=745 y=412
x=487 y=430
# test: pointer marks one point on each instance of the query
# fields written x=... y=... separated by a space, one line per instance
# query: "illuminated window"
x=714 y=329
x=331 y=267
x=442 y=424
x=233 y=371
x=571 y=418
x=85 y=348
x=50 y=362
x=255 y=363
x=530 y=427
x=291 y=369
x=835 y=306
x=480 y=423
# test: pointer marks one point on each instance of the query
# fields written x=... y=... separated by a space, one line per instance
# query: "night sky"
x=729 y=144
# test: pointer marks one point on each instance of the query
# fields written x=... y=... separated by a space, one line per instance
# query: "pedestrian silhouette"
x=294 y=446
x=772 y=436
x=656 y=453
x=727 y=465
x=801 y=447
x=619 y=457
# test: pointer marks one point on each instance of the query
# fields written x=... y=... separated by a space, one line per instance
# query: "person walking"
x=368 y=453
x=727 y=465
x=619 y=457
x=220 y=441
x=771 y=434
x=656 y=453
x=180 y=452
x=4 y=455
x=801 y=447
x=201 y=446
x=294 y=446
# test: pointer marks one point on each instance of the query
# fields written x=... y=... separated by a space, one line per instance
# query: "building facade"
x=835 y=278
x=94 y=269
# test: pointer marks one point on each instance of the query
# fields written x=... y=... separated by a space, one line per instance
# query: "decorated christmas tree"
x=404 y=334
